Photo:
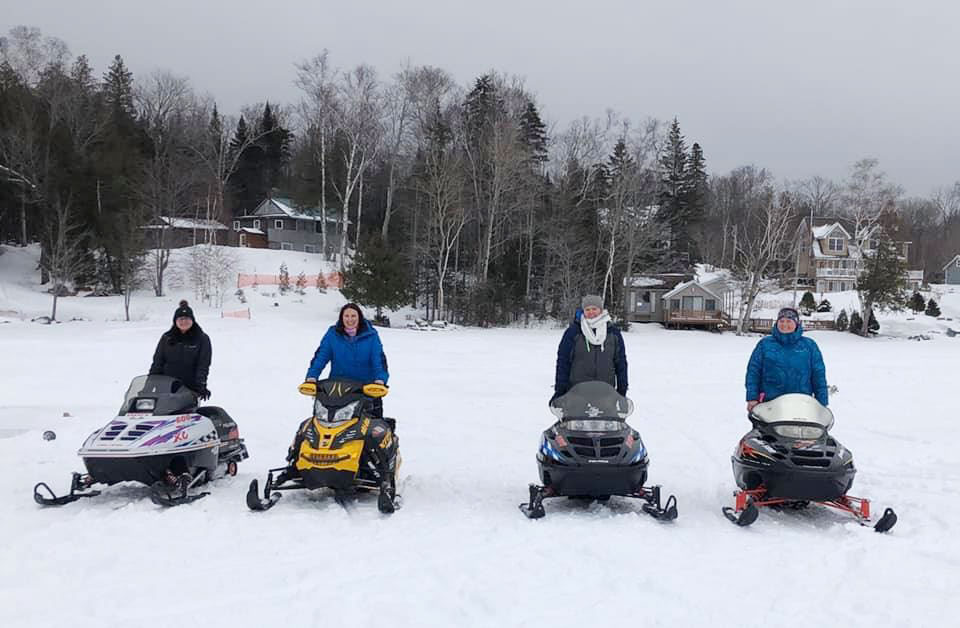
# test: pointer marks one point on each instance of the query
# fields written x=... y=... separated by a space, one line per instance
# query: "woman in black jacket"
x=184 y=352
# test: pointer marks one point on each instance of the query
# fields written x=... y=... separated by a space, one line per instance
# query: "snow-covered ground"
x=471 y=405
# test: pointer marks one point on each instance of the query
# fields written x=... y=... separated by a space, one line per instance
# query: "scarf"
x=595 y=329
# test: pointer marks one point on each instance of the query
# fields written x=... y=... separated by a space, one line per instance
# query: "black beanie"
x=183 y=311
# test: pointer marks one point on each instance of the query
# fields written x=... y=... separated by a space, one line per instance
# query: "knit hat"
x=592 y=300
x=790 y=313
x=183 y=311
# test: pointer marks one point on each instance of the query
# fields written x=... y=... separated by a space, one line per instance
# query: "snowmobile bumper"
x=794 y=482
x=598 y=479
x=147 y=469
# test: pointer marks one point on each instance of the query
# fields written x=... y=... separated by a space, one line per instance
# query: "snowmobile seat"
x=221 y=420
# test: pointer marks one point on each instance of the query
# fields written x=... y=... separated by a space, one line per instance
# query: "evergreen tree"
x=932 y=308
x=673 y=189
x=533 y=134
x=882 y=281
x=807 y=303
x=696 y=191
x=118 y=90
x=378 y=277
x=247 y=184
x=842 y=321
x=275 y=144
x=917 y=303
x=825 y=306
x=301 y=283
x=856 y=322
x=284 y=278
x=873 y=326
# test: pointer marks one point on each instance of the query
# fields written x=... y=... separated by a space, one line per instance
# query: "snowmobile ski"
x=175 y=491
x=270 y=497
x=534 y=509
x=77 y=484
x=747 y=504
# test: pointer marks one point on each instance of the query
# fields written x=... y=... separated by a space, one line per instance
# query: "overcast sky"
x=802 y=88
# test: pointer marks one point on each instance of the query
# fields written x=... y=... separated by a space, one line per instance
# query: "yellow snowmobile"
x=344 y=446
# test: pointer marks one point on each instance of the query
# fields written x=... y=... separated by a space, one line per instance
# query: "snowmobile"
x=591 y=452
x=159 y=438
x=342 y=447
x=789 y=460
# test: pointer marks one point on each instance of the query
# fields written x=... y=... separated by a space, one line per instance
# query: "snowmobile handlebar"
x=375 y=390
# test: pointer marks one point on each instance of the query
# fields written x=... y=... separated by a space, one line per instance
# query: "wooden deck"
x=696 y=318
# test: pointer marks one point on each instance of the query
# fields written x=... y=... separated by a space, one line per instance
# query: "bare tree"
x=868 y=196
x=761 y=237
x=358 y=122
x=315 y=78
x=166 y=104
x=65 y=257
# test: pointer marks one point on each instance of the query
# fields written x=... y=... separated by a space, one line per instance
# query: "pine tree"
x=825 y=306
x=284 y=278
x=856 y=322
x=378 y=277
x=275 y=144
x=246 y=185
x=673 y=189
x=533 y=134
x=932 y=308
x=882 y=281
x=873 y=326
x=807 y=303
x=842 y=321
x=118 y=89
x=917 y=303
x=695 y=183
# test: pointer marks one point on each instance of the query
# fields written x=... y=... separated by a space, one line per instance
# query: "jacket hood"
x=787 y=339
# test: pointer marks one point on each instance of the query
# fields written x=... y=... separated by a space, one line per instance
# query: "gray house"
x=692 y=304
x=289 y=228
x=645 y=292
x=951 y=272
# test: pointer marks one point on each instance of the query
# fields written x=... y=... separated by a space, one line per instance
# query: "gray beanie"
x=592 y=300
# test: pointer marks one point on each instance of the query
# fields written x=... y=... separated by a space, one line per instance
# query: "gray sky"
x=801 y=88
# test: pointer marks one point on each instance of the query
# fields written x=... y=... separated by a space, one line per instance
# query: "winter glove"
x=204 y=394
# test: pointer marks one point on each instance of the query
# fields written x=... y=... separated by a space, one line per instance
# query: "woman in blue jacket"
x=352 y=348
x=786 y=362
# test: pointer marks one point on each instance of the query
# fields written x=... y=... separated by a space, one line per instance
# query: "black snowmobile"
x=159 y=438
x=789 y=460
x=340 y=447
x=591 y=452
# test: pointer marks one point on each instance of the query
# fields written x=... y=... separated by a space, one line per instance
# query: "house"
x=177 y=233
x=951 y=272
x=829 y=259
x=693 y=304
x=677 y=299
x=278 y=224
x=645 y=293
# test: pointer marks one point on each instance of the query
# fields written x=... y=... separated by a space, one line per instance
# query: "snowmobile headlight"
x=592 y=425
x=343 y=414
x=146 y=405
x=805 y=432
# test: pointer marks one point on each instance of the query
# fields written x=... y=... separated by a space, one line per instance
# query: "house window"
x=309 y=248
x=711 y=305
x=674 y=305
x=256 y=224
x=286 y=246
x=835 y=244
x=319 y=227
x=236 y=225
x=829 y=286
x=243 y=239
x=278 y=224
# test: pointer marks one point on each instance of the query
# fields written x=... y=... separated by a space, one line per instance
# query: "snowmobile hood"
x=137 y=435
x=794 y=408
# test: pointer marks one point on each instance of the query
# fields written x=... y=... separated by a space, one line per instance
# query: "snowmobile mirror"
x=308 y=388
x=557 y=412
x=375 y=390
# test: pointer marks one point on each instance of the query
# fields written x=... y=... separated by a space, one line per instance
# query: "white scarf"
x=595 y=329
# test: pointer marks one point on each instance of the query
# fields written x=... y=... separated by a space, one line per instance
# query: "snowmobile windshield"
x=796 y=409
x=333 y=416
x=159 y=395
x=592 y=400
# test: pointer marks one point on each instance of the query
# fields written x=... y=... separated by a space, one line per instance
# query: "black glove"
x=204 y=394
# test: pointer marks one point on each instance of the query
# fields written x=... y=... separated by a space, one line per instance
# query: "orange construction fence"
x=237 y=314
x=330 y=280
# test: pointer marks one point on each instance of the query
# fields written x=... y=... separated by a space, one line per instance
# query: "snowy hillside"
x=470 y=406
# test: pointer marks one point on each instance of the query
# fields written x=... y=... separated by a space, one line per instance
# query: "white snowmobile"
x=159 y=438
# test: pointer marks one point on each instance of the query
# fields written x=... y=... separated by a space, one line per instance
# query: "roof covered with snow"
x=686 y=284
x=252 y=231
x=187 y=223
x=642 y=282
x=824 y=231
x=285 y=207
x=951 y=262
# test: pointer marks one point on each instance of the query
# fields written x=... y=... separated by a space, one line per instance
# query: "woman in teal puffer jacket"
x=786 y=362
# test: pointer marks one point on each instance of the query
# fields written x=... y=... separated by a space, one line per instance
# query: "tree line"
x=464 y=199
